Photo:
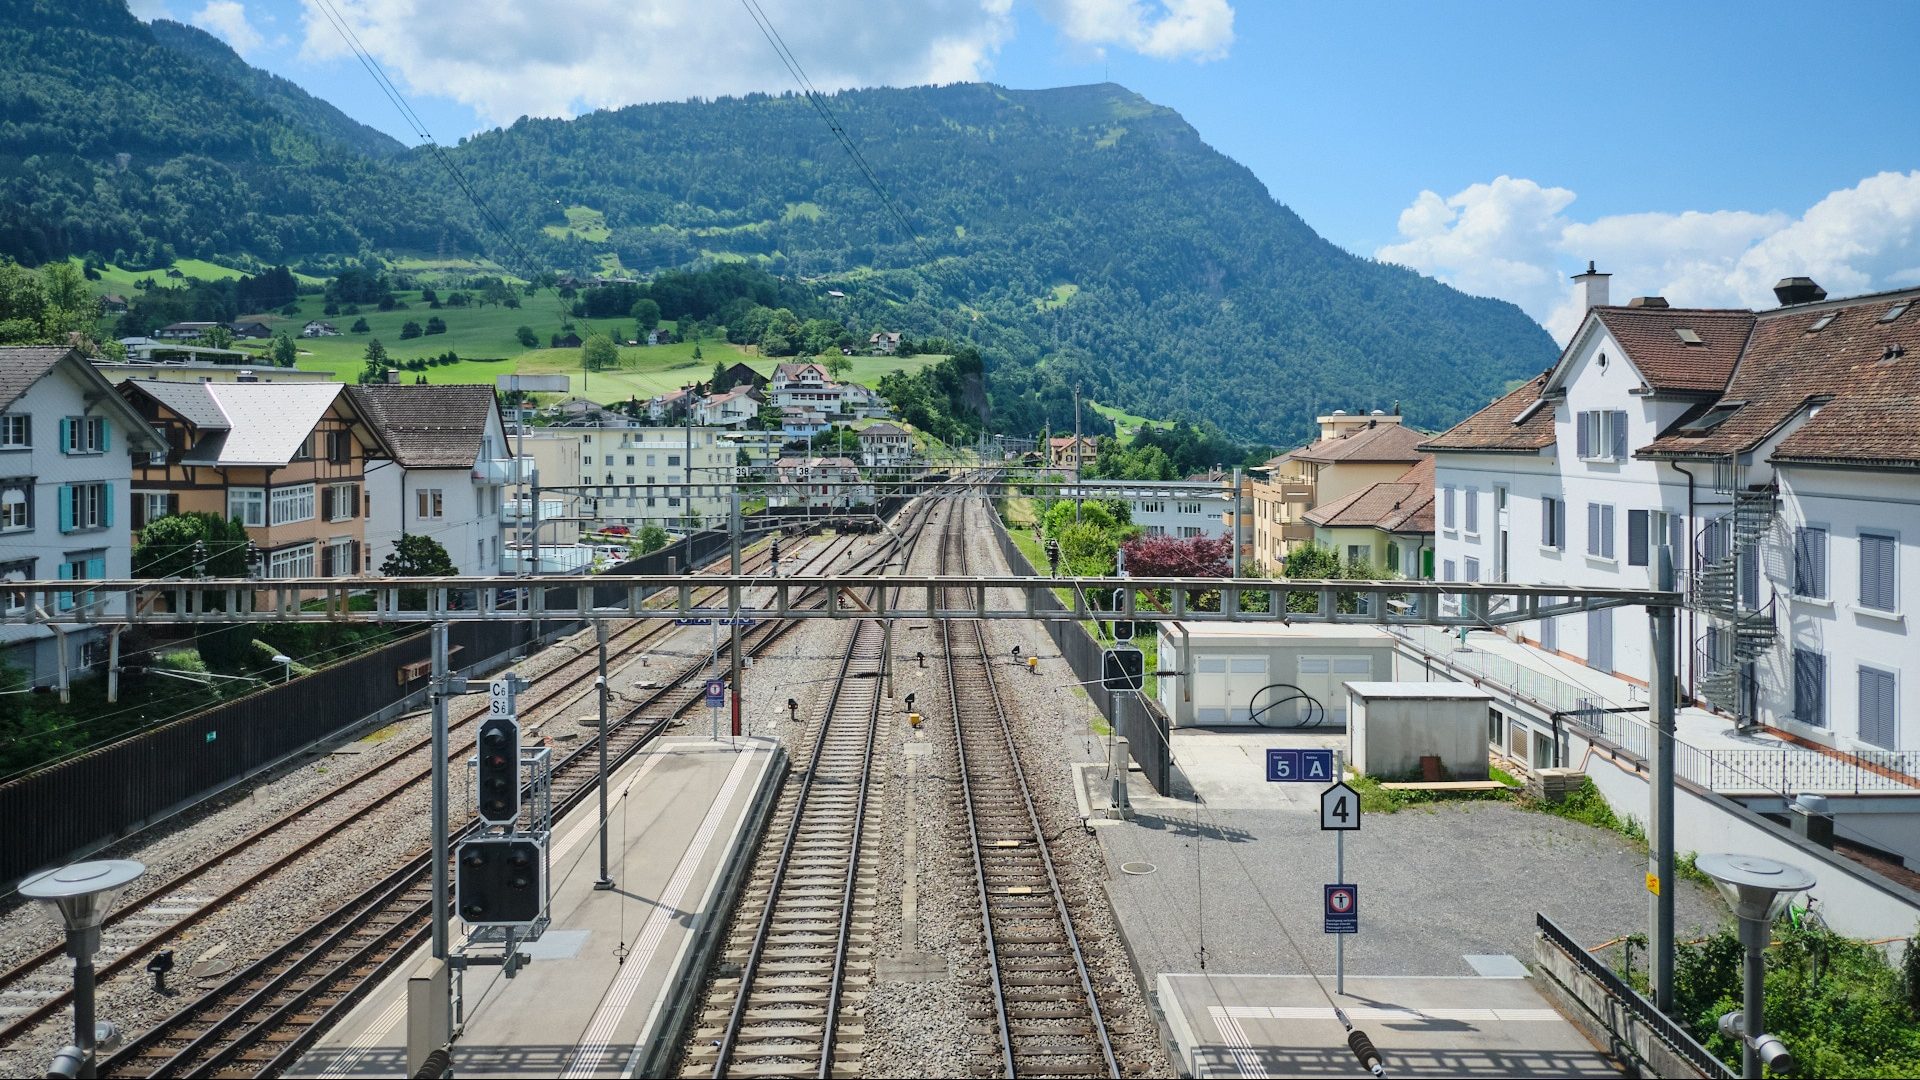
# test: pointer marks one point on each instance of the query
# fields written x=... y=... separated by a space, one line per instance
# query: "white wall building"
x=1183 y=509
x=66 y=477
x=832 y=483
x=733 y=409
x=885 y=446
x=1776 y=452
x=450 y=474
x=670 y=460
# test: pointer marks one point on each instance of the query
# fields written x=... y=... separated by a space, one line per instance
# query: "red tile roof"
x=1498 y=428
x=1403 y=504
x=1667 y=362
x=1374 y=443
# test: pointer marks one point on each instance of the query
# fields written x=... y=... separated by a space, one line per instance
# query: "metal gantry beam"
x=492 y=599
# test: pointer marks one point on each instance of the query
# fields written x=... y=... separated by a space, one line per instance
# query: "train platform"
x=604 y=994
x=1282 y=1025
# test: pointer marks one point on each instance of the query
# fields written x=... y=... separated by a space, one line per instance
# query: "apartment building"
x=1775 y=453
x=1353 y=452
x=67 y=447
x=1071 y=451
x=1388 y=525
x=287 y=460
x=448 y=475
x=885 y=446
x=819 y=483
x=688 y=474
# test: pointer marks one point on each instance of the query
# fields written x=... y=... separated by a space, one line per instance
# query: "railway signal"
x=498 y=784
x=501 y=881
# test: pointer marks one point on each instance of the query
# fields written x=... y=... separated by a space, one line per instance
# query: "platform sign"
x=1340 y=809
x=1299 y=766
x=716 y=693
x=500 y=698
x=1342 y=914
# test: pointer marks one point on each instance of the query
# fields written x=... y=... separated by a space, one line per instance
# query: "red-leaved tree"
x=1166 y=556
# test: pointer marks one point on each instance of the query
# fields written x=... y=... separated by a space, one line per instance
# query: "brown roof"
x=23 y=365
x=1668 y=363
x=1865 y=396
x=1398 y=505
x=1374 y=443
x=1494 y=429
x=427 y=427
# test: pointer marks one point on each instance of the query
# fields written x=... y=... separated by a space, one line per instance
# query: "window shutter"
x=106 y=434
x=326 y=560
x=97 y=567
x=66 y=434
x=1560 y=524
x=65 y=600
x=1619 y=435
x=1637 y=538
x=1593 y=528
x=326 y=504
x=1546 y=522
x=106 y=505
x=138 y=510
x=1472 y=498
x=66 y=507
x=355 y=568
x=1606 y=532
x=356 y=501
x=1819 y=563
x=1677 y=539
x=173 y=504
x=1580 y=428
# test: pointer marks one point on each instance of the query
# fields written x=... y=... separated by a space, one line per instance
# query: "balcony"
x=499 y=472
x=1296 y=532
x=1296 y=491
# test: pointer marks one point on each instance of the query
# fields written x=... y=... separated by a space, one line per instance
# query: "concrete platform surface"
x=1282 y=1025
x=598 y=992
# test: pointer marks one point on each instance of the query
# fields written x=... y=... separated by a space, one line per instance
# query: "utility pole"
x=438 y=814
x=604 y=882
x=1076 y=453
x=733 y=610
x=1660 y=851
x=1233 y=533
x=686 y=515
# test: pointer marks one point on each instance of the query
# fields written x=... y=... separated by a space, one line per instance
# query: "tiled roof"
x=1863 y=374
x=23 y=365
x=881 y=429
x=1375 y=443
x=1397 y=505
x=256 y=423
x=1649 y=335
x=1493 y=428
x=191 y=401
x=427 y=427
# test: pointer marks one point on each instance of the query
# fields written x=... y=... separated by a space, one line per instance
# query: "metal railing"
x=1656 y=1022
x=1786 y=772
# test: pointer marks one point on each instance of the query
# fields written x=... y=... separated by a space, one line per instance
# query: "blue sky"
x=1695 y=150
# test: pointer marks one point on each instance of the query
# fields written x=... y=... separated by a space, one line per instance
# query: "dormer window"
x=1820 y=323
x=1687 y=336
x=1896 y=311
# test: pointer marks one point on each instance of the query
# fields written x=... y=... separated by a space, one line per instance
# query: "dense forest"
x=1079 y=235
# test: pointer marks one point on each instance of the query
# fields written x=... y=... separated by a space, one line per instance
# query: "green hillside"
x=1081 y=235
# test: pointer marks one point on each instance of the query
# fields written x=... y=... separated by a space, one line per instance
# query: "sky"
x=1696 y=151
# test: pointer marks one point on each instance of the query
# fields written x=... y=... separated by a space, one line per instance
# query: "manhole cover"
x=1140 y=868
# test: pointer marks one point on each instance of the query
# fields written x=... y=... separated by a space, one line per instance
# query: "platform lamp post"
x=286 y=667
x=1758 y=890
x=80 y=896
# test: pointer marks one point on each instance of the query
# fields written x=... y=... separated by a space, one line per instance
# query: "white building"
x=1183 y=509
x=1777 y=454
x=735 y=408
x=830 y=483
x=448 y=476
x=66 y=479
x=885 y=446
x=654 y=468
x=806 y=386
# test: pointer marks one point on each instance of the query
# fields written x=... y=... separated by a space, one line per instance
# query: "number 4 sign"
x=1340 y=809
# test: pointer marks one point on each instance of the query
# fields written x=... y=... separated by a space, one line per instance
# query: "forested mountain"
x=1074 y=235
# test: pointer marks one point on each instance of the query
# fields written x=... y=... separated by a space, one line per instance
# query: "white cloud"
x=509 y=58
x=148 y=10
x=228 y=19
x=1513 y=238
x=1163 y=29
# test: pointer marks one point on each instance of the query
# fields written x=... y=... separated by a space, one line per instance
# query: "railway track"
x=149 y=920
x=1045 y=1016
x=258 y=1021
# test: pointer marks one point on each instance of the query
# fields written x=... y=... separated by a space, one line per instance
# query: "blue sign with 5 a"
x=1299 y=766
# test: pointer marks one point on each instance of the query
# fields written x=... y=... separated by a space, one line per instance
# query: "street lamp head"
x=80 y=895
x=1755 y=887
x=282 y=658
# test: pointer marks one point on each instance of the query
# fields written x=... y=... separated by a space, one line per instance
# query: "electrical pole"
x=1660 y=790
x=1233 y=534
x=438 y=823
x=1076 y=453
x=733 y=610
x=686 y=516
x=606 y=688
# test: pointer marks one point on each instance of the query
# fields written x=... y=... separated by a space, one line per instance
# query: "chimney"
x=1593 y=286
x=393 y=376
x=1647 y=302
x=1798 y=290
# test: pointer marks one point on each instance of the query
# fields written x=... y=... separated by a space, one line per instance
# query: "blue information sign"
x=1300 y=766
x=1343 y=909
x=716 y=693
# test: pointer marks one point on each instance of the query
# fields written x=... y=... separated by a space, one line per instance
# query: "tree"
x=417 y=555
x=360 y=326
x=599 y=353
x=1166 y=556
x=436 y=325
x=838 y=365
x=527 y=337
x=722 y=380
x=649 y=539
x=284 y=352
x=218 y=337
x=646 y=314
x=377 y=363
x=193 y=544
x=409 y=329
x=497 y=293
x=696 y=351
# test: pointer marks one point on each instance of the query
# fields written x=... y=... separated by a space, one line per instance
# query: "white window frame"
x=89 y=506
x=87 y=432
x=343 y=500
x=429 y=504
x=248 y=505
x=16 y=431
x=342 y=548
x=14 y=601
x=291 y=505
x=16 y=514
x=150 y=500
x=299 y=561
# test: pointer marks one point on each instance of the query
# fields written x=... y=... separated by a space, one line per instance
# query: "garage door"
x=1326 y=678
x=1209 y=689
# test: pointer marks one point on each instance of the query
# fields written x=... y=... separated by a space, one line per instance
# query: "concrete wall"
x=1388 y=736
x=1211 y=696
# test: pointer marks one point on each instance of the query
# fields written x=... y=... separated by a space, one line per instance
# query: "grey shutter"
x=1546 y=521
x=1877 y=709
x=1560 y=524
x=1619 y=436
x=1677 y=539
x=1810 y=562
x=1606 y=532
x=1593 y=528
x=1580 y=426
x=1600 y=639
x=1471 y=496
x=1876 y=572
x=1636 y=538
x=326 y=560
x=1809 y=687
x=326 y=503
